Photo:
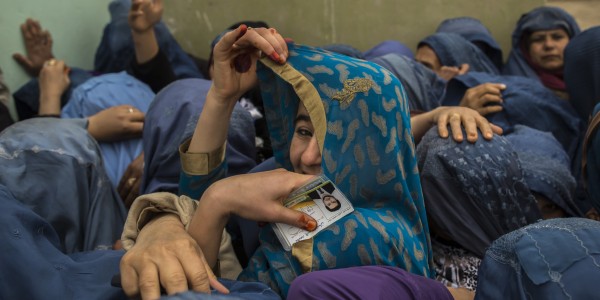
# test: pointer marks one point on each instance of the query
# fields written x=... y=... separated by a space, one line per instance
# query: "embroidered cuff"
x=200 y=163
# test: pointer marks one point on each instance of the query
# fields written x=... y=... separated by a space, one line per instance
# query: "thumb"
x=22 y=60
x=296 y=218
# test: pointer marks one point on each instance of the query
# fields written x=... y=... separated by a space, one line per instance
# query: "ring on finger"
x=130 y=110
x=51 y=62
x=455 y=115
x=131 y=181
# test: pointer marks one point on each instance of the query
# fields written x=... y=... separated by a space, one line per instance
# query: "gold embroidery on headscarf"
x=316 y=57
x=351 y=87
x=399 y=123
x=352 y=127
x=375 y=251
x=342 y=175
x=407 y=261
x=401 y=99
x=392 y=143
x=330 y=163
x=328 y=258
x=400 y=161
x=371 y=152
x=360 y=218
x=380 y=123
x=350 y=227
x=387 y=76
x=353 y=183
x=419 y=255
x=343 y=69
x=364 y=112
x=320 y=69
x=400 y=238
x=409 y=139
x=359 y=155
x=336 y=129
x=383 y=178
x=388 y=105
x=381 y=229
x=303 y=252
x=363 y=254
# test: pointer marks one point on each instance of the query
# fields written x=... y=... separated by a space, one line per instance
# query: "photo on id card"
x=320 y=199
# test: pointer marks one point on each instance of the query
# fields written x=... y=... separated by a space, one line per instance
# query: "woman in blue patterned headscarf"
x=443 y=52
x=538 y=44
x=358 y=114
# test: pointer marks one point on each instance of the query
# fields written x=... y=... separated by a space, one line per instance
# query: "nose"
x=548 y=42
x=311 y=157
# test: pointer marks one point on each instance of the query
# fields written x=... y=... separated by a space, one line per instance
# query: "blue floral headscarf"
x=360 y=115
x=453 y=50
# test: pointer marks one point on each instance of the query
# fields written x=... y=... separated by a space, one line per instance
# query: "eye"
x=303 y=132
x=558 y=36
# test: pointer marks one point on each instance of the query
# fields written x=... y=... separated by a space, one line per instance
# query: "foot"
x=38 y=47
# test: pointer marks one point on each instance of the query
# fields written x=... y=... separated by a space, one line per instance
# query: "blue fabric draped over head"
x=102 y=92
x=388 y=47
x=360 y=116
x=546 y=166
x=475 y=32
x=476 y=192
x=526 y=102
x=541 y=18
x=592 y=167
x=424 y=88
x=54 y=167
x=172 y=118
x=116 y=49
x=344 y=49
x=582 y=71
x=528 y=264
x=453 y=50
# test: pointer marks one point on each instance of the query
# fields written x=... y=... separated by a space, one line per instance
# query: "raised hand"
x=38 y=47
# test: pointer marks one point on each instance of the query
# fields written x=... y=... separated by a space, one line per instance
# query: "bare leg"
x=38 y=47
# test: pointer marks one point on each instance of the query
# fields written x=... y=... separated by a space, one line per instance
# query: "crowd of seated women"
x=155 y=173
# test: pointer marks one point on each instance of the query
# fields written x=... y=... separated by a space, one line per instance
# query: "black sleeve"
x=157 y=72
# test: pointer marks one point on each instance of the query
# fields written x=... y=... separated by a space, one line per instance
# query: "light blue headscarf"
x=104 y=91
x=453 y=50
x=551 y=259
x=54 y=167
x=388 y=47
x=360 y=115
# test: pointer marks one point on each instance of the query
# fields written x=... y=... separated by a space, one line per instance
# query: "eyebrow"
x=302 y=117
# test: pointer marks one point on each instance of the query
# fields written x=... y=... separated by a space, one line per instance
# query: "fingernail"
x=503 y=86
x=310 y=225
x=275 y=57
x=282 y=58
x=243 y=29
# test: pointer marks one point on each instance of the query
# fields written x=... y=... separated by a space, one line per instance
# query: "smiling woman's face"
x=305 y=154
x=547 y=47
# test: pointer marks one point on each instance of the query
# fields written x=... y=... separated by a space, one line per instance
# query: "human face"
x=330 y=202
x=305 y=153
x=548 y=209
x=546 y=48
x=426 y=56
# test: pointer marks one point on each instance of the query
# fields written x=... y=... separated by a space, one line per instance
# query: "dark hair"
x=335 y=208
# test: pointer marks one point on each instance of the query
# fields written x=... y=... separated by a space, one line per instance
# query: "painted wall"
x=76 y=27
x=359 y=23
